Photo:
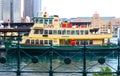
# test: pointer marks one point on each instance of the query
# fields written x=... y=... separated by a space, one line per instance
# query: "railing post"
x=84 y=59
x=51 y=57
x=18 y=56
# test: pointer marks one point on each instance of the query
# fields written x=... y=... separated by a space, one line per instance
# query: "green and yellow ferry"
x=64 y=35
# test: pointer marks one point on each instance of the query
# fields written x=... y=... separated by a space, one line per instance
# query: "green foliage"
x=103 y=72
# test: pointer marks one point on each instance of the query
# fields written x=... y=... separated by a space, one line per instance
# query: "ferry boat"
x=50 y=30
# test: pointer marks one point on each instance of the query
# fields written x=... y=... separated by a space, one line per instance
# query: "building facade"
x=105 y=24
x=1 y=9
x=32 y=8
x=12 y=10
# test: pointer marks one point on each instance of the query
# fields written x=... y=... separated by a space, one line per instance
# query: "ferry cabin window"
x=41 y=41
x=37 y=21
x=91 y=42
x=41 y=31
x=46 y=22
x=77 y=32
x=54 y=31
x=72 y=32
x=86 y=32
x=36 y=31
x=41 y=21
x=32 y=41
x=59 y=31
x=27 y=41
x=37 y=41
x=46 y=42
x=50 y=21
x=50 y=31
x=50 y=41
x=45 y=31
x=77 y=42
x=86 y=42
x=82 y=32
x=63 y=32
x=68 y=32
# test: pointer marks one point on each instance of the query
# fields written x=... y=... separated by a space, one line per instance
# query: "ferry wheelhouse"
x=50 y=30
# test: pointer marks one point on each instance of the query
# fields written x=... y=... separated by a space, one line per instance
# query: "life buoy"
x=51 y=26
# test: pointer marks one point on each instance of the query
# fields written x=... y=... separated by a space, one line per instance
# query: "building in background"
x=12 y=10
x=1 y=10
x=32 y=8
x=105 y=24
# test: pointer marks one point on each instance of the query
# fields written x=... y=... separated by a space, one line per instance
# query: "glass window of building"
x=77 y=32
x=41 y=31
x=50 y=31
x=36 y=31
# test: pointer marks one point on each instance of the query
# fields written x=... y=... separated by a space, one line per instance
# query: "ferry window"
x=27 y=41
x=63 y=32
x=41 y=21
x=41 y=31
x=36 y=31
x=82 y=32
x=46 y=21
x=46 y=42
x=77 y=32
x=54 y=31
x=50 y=41
x=32 y=41
x=45 y=31
x=77 y=42
x=41 y=41
x=59 y=31
x=86 y=32
x=68 y=31
x=72 y=32
x=37 y=21
x=86 y=42
x=91 y=42
x=50 y=21
x=37 y=41
x=50 y=31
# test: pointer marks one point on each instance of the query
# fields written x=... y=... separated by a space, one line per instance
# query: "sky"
x=82 y=8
